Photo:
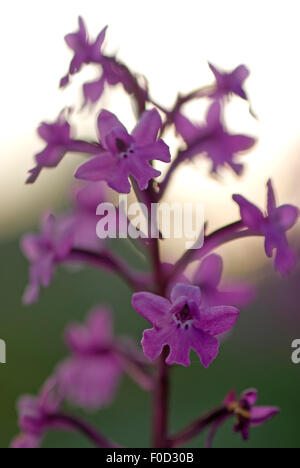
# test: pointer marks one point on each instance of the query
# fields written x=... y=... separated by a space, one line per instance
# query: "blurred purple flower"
x=84 y=219
x=230 y=82
x=37 y=415
x=126 y=155
x=90 y=377
x=44 y=251
x=213 y=140
x=85 y=51
x=57 y=136
x=183 y=324
x=208 y=278
x=248 y=415
x=273 y=227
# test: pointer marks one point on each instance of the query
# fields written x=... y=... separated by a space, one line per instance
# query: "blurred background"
x=170 y=43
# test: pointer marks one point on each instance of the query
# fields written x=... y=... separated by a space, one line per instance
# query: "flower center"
x=184 y=318
x=124 y=150
x=240 y=412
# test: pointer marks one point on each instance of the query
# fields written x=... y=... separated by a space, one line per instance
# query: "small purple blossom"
x=36 y=416
x=248 y=415
x=230 y=82
x=126 y=155
x=44 y=251
x=57 y=136
x=273 y=226
x=183 y=324
x=83 y=218
x=85 y=51
x=91 y=376
x=208 y=277
x=213 y=140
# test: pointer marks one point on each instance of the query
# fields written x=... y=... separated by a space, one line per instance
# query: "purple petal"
x=237 y=294
x=158 y=150
x=262 y=414
x=90 y=382
x=231 y=398
x=250 y=396
x=142 y=171
x=287 y=216
x=271 y=203
x=206 y=346
x=146 y=131
x=107 y=122
x=250 y=214
x=210 y=272
x=186 y=128
x=153 y=308
x=96 y=334
x=98 y=168
x=217 y=320
x=155 y=340
x=238 y=76
x=93 y=90
x=187 y=291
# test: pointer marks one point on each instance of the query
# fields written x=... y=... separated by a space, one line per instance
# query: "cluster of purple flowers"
x=186 y=314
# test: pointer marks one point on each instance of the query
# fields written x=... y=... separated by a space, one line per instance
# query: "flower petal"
x=210 y=272
x=250 y=214
x=147 y=129
x=287 y=216
x=153 y=308
x=250 y=396
x=106 y=123
x=262 y=414
x=206 y=346
x=155 y=151
x=186 y=291
x=217 y=320
x=98 y=168
x=271 y=203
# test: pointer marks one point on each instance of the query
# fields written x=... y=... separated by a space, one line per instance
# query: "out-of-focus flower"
x=90 y=377
x=213 y=140
x=230 y=82
x=44 y=251
x=248 y=415
x=126 y=155
x=208 y=277
x=183 y=324
x=57 y=136
x=273 y=226
x=37 y=415
x=85 y=51
x=84 y=218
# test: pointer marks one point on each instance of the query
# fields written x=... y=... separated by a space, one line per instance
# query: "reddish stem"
x=78 y=425
x=107 y=261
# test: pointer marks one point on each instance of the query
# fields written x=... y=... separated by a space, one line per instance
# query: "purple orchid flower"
x=36 y=416
x=249 y=415
x=208 y=278
x=126 y=155
x=213 y=140
x=183 y=324
x=85 y=51
x=91 y=376
x=273 y=226
x=84 y=219
x=44 y=251
x=230 y=82
x=57 y=136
